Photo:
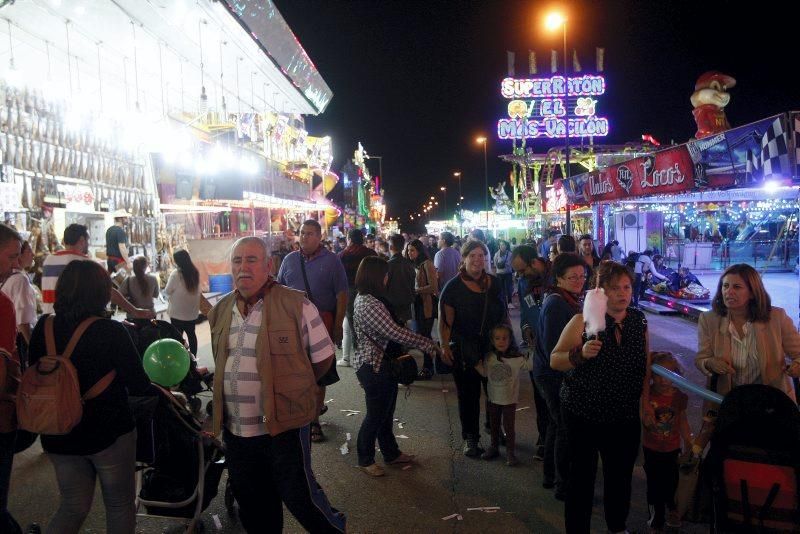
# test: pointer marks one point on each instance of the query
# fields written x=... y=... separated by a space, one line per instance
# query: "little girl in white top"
x=502 y=367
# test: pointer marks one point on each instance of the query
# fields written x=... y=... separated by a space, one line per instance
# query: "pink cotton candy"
x=594 y=311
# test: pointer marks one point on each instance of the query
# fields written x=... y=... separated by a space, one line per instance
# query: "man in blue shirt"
x=447 y=259
x=320 y=274
x=531 y=271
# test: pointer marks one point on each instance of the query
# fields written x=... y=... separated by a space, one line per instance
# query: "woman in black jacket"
x=471 y=305
x=103 y=444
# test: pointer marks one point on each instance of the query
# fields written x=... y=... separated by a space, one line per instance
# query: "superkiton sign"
x=544 y=107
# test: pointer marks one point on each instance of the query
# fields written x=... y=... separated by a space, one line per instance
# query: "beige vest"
x=288 y=386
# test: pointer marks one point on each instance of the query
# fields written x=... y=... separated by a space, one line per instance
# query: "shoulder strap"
x=305 y=277
x=76 y=336
x=485 y=305
x=101 y=385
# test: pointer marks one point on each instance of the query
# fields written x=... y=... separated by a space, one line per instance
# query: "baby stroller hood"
x=754 y=462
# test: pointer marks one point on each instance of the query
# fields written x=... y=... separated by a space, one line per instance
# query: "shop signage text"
x=546 y=107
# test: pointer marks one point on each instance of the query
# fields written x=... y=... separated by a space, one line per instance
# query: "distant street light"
x=483 y=140
x=443 y=189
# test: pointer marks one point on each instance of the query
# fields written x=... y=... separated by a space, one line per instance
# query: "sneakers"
x=402 y=459
x=490 y=454
x=472 y=449
x=373 y=470
x=342 y=363
x=673 y=519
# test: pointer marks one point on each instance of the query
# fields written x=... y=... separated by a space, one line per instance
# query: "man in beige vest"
x=270 y=346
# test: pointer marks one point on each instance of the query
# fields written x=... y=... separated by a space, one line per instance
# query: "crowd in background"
x=375 y=297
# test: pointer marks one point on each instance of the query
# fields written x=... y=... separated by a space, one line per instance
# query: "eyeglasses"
x=575 y=278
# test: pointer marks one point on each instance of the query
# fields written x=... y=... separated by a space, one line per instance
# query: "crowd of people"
x=274 y=342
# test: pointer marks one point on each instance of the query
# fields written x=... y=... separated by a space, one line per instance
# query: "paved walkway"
x=443 y=482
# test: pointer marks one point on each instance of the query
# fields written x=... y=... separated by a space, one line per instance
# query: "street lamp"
x=483 y=140
x=457 y=174
x=443 y=189
x=553 y=21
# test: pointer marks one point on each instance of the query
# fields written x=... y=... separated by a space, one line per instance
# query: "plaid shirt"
x=375 y=327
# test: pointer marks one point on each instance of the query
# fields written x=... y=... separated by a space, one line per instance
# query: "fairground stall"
x=187 y=116
x=730 y=197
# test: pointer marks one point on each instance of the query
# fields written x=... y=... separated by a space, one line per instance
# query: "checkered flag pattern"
x=797 y=142
x=774 y=157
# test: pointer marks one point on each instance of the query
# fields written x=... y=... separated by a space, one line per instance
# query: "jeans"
x=7 y=439
x=542 y=416
x=468 y=387
x=618 y=446
x=380 y=394
x=507 y=286
x=637 y=289
x=424 y=328
x=347 y=340
x=187 y=327
x=269 y=471
x=115 y=467
x=661 y=469
x=556 y=455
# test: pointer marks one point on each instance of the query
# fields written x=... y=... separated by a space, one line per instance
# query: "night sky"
x=416 y=82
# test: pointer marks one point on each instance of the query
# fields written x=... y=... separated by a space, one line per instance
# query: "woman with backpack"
x=103 y=443
x=502 y=267
x=183 y=290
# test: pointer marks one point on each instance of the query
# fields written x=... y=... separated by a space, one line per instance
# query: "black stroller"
x=754 y=462
x=144 y=332
x=178 y=466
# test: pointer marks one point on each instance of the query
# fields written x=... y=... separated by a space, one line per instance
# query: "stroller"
x=754 y=462
x=144 y=332
x=178 y=467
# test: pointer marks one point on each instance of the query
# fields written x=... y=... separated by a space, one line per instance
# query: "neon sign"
x=546 y=107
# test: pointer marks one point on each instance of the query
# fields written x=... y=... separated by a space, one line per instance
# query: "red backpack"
x=49 y=399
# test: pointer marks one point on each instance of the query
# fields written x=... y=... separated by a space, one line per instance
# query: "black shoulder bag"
x=332 y=375
x=402 y=366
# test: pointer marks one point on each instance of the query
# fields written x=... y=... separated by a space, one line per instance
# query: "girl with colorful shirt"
x=501 y=367
x=661 y=442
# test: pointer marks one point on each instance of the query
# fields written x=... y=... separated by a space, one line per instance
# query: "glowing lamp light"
x=771 y=186
x=554 y=21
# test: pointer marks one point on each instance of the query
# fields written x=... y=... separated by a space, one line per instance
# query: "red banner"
x=668 y=171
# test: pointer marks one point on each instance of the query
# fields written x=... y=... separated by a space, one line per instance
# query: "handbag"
x=402 y=367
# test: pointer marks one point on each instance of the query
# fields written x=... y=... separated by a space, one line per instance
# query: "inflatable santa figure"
x=709 y=100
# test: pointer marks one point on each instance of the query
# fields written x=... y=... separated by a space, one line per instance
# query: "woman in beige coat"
x=744 y=339
x=426 y=286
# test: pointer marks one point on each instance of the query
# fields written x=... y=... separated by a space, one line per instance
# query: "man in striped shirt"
x=76 y=243
x=270 y=348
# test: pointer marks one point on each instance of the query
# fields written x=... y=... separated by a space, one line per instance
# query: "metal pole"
x=485 y=183
x=566 y=118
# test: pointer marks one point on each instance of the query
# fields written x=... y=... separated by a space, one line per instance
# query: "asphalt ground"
x=442 y=482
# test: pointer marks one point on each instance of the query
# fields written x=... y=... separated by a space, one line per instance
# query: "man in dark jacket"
x=400 y=287
x=351 y=258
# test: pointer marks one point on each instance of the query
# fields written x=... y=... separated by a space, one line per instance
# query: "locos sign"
x=668 y=171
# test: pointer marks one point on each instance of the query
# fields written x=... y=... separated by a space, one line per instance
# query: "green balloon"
x=166 y=362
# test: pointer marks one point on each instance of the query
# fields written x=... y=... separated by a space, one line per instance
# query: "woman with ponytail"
x=141 y=288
